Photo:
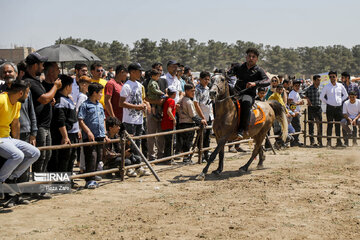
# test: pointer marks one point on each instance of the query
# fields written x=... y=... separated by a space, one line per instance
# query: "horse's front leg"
x=221 y=162
x=221 y=144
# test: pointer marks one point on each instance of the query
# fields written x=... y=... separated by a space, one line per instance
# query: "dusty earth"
x=303 y=193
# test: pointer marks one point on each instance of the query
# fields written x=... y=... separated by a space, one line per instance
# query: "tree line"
x=215 y=54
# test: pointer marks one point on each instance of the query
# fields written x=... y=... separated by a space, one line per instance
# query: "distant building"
x=16 y=54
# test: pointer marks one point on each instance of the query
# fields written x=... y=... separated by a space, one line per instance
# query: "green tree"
x=145 y=52
x=120 y=53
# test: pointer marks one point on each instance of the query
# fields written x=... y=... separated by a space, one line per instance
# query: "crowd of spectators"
x=42 y=107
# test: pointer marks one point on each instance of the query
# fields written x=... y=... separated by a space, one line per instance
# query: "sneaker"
x=340 y=144
x=232 y=150
x=21 y=200
x=91 y=184
x=42 y=196
x=142 y=172
x=9 y=202
x=240 y=136
x=131 y=173
x=188 y=161
x=98 y=178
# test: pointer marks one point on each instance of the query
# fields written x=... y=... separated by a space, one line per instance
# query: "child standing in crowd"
x=84 y=82
x=187 y=119
x=64 y=128
x=154 y=93
x=92 y=121
x=168 y=121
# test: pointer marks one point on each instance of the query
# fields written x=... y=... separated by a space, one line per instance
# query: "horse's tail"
x=280 y=114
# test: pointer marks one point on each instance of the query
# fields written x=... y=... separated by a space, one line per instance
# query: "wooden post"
x=142 y=155
x=200 y=143
x=305 y=122
x=123 y=149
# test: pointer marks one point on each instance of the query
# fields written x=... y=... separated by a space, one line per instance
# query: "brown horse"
x=226 y=124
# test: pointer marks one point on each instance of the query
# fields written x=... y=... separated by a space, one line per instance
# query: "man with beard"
x=28 y=125
x=19 y=155
x=42 y=103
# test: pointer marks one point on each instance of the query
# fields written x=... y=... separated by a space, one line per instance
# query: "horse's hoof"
x=242 y=170
x=216 y=172
x=200 y=177
x=259 y=167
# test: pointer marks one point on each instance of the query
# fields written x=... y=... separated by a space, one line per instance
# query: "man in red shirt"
x=168 y=121
x=112 y=93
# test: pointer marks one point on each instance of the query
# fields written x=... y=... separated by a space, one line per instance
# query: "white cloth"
x=81 y=98
x=132 y=92
x=335 y=94
x=295 y=96
x=175 y=83
x=75 y=91
x=351 y=109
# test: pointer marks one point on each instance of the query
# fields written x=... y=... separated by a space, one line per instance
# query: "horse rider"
x=249 y=78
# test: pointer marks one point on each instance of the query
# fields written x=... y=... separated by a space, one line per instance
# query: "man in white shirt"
x=294 y=97
x=335 y=95
x=351 y=111
x=170 y=79
x=132 y=103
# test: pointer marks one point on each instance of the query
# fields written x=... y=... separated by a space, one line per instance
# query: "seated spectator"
x=187 y=119
x=154 y=93
x=112 y=157
x=351 y=111
x=168 y=121
x=19 y=155
x=92 y=121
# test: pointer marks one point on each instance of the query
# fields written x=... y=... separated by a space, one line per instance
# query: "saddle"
x=257 y=113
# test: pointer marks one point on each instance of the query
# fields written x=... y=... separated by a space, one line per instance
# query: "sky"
x=38 y=23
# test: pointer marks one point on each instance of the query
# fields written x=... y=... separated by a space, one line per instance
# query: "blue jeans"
x=135 y=130
x=43 y=138
x=19 y=154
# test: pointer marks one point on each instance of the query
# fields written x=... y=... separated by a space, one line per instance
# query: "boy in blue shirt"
x=92 y=121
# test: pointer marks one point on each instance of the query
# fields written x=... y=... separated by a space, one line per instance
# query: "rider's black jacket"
x=244 y=75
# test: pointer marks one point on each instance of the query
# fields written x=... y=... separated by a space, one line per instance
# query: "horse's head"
x=219 y=88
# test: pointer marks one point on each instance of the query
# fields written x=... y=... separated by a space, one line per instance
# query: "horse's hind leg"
x=212 y=157
x=221 y=162
x=256 y=151
x=261 y=158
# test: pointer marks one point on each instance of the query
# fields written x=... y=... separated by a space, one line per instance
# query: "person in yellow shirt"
x=97 y=70
x=277 y=96
x=19 y=155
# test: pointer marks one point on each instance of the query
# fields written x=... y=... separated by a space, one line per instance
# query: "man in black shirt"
x=250 y=76
x=42 y=104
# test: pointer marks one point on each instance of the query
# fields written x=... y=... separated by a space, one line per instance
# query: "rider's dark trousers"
x=246 y=102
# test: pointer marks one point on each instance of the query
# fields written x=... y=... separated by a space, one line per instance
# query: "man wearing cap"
x=42 y=104
x=250 y=76
x=335 y=96
x=132 y=102
x=171 y=80
x=294 y=97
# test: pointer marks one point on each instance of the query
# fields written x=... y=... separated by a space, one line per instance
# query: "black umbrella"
x=67 y=53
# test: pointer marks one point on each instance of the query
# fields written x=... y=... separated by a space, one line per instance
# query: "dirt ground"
x=303 y=193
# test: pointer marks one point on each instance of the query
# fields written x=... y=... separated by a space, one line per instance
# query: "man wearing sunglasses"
x=97 y=71
x=335 y=96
